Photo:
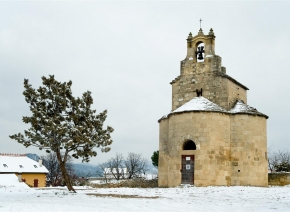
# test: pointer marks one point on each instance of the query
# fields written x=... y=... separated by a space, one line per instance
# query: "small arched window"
x=200 y=52
x=189 y=145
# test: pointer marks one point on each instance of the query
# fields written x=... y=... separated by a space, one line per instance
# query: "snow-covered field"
x=18 y=197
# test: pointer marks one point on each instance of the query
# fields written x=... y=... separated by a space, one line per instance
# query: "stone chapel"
x=211 y=137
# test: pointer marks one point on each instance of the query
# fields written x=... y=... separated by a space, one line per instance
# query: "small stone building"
x=211 y=136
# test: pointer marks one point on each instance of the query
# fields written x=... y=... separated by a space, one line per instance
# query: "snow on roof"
x=241 y=107
x=196 y=104
x=199 y=103
x=203 y=104
x=14 y=163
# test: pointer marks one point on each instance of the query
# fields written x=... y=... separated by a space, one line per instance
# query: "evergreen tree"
x=154 y=158
x=63 y=124
x=282 y=167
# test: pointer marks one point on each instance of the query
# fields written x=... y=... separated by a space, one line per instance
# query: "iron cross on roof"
x=200 y=23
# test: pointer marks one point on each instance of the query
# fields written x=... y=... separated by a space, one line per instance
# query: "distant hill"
x=151 y=169
x=33 y=156
x=86 y=170
x=81 y=169
x=89 y=170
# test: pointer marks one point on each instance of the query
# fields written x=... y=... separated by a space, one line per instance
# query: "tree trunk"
x=64 y=172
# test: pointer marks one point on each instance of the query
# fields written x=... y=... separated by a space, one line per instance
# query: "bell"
x=199 y=52
x=200 y=57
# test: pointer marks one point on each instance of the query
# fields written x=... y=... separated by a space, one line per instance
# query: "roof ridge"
x=12 y=154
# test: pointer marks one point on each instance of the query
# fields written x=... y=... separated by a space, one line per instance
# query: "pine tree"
x=154 y=158
x=63 y=124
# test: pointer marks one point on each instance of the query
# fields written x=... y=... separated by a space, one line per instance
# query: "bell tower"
x=200 y=46
x=202 y=73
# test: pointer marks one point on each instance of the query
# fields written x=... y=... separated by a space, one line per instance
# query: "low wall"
x=279 y=179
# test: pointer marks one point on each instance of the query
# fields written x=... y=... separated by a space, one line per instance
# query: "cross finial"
x=200 y=22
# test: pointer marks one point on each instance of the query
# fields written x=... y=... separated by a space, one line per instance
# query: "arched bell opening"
x=189 y=145
x=200 y=52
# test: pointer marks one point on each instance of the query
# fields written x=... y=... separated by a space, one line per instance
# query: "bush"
x=131 y=183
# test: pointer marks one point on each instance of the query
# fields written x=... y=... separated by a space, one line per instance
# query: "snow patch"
x=11 y=180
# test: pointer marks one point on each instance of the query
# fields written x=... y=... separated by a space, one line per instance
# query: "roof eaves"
x=207 y=111
x=234 y=81
x=189 y=111
x=249 y=113
x=175 y=80
x=163 y=117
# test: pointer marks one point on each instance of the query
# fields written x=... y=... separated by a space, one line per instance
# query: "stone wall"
x=235 y=92
x=211 y=134
x=248 y=150
x=230 y=149
x=210 y=76
x=279 y=179
x=163 y=153
x=200 y=75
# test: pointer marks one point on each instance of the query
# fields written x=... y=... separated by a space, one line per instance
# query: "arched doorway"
x=187 y=163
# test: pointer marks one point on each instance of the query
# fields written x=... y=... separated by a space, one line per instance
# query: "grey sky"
x=126 y=53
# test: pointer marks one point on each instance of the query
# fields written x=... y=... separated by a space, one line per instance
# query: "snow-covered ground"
x=21 y=198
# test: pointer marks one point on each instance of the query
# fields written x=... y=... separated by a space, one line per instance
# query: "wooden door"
x=35 y=183
x=187 y=170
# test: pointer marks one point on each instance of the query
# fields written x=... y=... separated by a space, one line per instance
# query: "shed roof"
x=15 y=163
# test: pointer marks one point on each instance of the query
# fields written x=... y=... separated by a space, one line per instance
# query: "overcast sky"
x=126 y=53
